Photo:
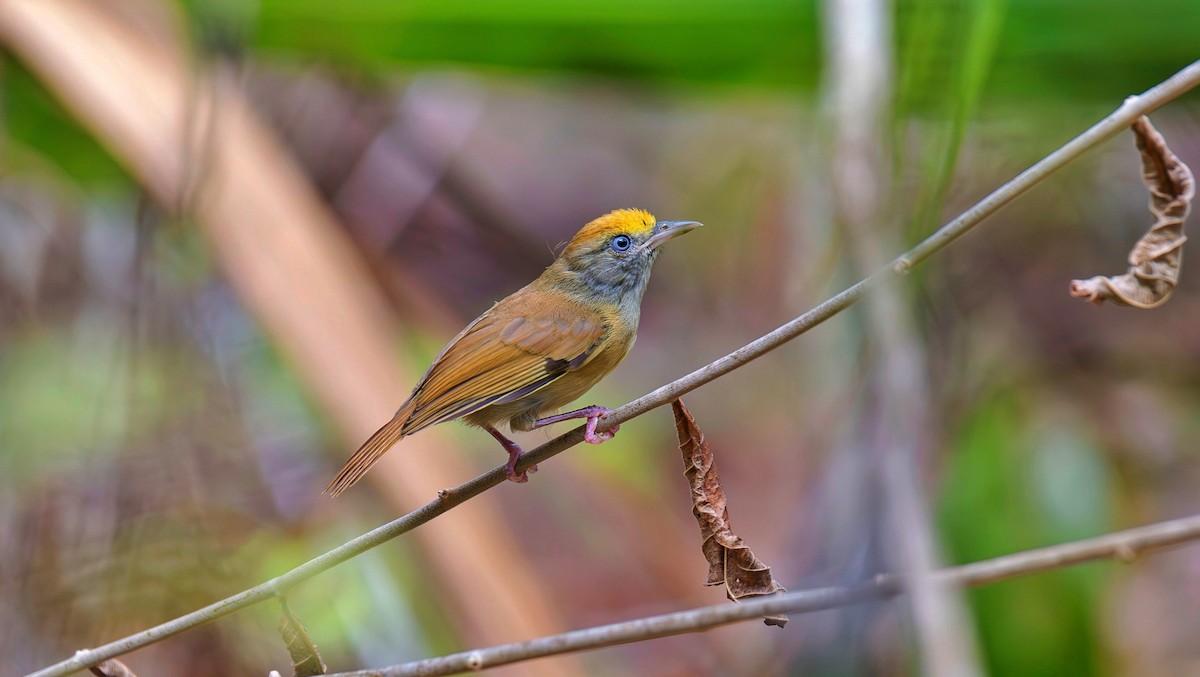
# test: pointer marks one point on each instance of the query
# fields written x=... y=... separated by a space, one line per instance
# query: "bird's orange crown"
x=633 y=222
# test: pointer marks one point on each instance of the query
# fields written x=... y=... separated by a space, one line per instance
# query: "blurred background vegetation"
x=159 y=449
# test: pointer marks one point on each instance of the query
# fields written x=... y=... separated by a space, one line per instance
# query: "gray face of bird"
x=616 y=270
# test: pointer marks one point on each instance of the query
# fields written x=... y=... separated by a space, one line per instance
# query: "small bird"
x=539 y=349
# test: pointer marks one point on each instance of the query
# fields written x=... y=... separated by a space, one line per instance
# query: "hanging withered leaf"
x=1156 y=258
x=111 y=668
x=730 y=561
x=306 y=661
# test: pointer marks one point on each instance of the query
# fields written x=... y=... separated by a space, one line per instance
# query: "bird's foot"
x=589 y=433
x=592 y=414
x=510 y=468
x=514 y=453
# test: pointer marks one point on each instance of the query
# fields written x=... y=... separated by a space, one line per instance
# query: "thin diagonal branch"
x=1152 y=99
x=1123 y=545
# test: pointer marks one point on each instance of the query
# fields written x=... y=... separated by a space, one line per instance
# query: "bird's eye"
x=621 y=243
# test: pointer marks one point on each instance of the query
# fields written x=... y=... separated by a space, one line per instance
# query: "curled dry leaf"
x=111 y=668
x=306 y=661
x=730 y=561
x=1156 y=258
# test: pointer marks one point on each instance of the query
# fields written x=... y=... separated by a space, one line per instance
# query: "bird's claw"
x=589 y=433
x=514 y=455
x=510 y=470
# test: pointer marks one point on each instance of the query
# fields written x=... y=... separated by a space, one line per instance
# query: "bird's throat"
x=606 y=282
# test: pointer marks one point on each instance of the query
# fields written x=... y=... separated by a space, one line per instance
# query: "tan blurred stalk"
x=296 y=272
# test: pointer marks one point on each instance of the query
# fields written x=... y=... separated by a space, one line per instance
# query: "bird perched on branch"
x=539 y=349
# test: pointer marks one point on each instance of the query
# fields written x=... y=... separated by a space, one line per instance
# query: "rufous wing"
x=502 y=356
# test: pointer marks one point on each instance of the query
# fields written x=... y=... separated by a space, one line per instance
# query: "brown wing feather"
x=502 y=353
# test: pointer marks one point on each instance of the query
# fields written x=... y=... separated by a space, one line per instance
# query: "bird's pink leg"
x=592 y=414
x=514 y=452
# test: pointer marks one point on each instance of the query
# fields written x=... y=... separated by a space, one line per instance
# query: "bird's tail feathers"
x=369 y=453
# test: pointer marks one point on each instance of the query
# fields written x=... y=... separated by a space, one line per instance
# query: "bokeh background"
x=233 y=233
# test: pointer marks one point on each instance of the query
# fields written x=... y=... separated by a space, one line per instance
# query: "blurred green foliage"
x=34 y=121
x=994 y=502
x=1042 y=48
x=57 y=397
x=673 y=40
x=1050 y=48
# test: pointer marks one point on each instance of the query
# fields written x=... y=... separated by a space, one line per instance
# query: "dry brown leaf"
x=730 y=561
x=1156 y=258
x=306 y=660
x=111 y=668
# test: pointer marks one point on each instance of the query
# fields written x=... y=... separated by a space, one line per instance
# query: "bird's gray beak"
x=668 y=230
